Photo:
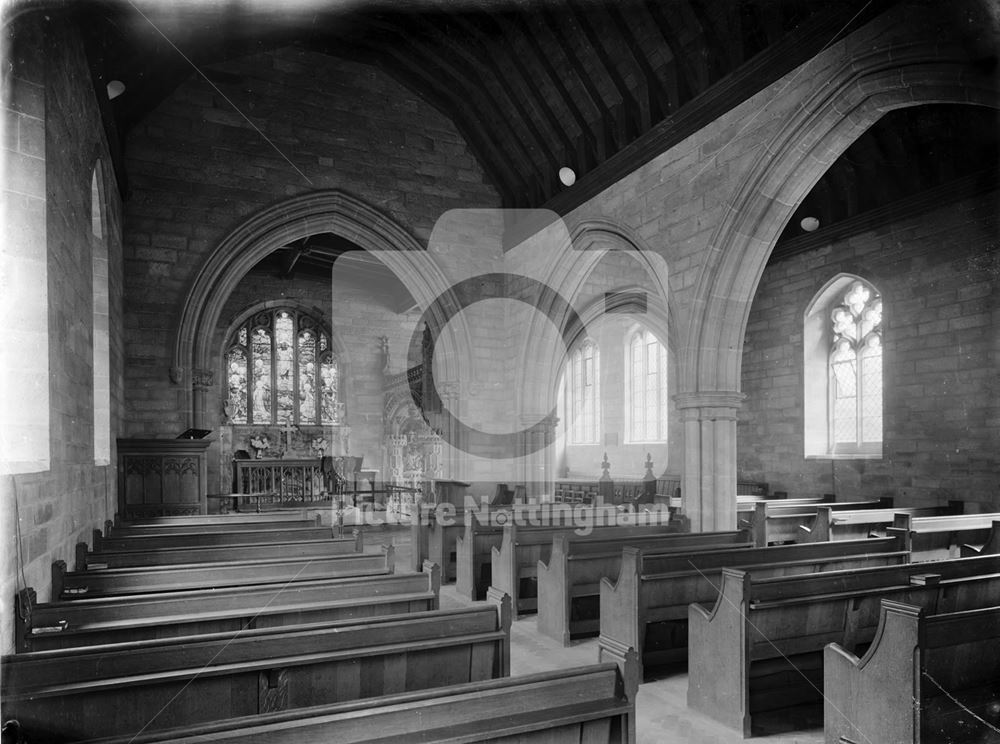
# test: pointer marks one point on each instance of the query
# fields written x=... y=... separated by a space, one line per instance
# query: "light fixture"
x=567 y=176
x=115 y=89
x=809 y=224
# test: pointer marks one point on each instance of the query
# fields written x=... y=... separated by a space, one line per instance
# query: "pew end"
x=24 y=601
x=433 y=571
x=502 y=601
x=860 y=700
x=389 y=551
x=552 y=576
x=620 y=626
x=721 y=691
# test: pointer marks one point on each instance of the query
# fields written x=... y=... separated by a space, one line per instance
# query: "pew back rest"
x=791 y=588
x=527 y=707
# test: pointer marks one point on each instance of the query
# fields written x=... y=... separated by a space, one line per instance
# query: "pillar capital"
x=709 y=405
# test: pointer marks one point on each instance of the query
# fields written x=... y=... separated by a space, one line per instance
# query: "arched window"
x=280 y=367
x=856 y=371
x=584 y=393
x=842 y=340
x=647 y=388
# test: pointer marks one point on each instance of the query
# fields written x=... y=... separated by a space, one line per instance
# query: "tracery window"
x=280 y=367
x=855 y=369
x=647 y=388
x=584 y=393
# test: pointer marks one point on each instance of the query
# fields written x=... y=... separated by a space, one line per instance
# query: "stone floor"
x=662 y=715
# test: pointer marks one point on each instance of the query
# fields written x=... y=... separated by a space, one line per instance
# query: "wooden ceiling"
x=597 y=86
x=600 y=86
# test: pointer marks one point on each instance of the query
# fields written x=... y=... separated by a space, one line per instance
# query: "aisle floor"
x=662 y=715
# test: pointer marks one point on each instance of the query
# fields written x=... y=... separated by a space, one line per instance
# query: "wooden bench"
x=569 y=588
x=433 y=535
x=593 y=704
x=87 y=622
x=759 y=647
x=146 y=579
x=647 y=607
x=926 y=677
x=934 y=538
x=780 y=522
x=522 y=553
x=245 y=535
x=855 y=524
x=474 y=547
x=203 y=524
x=990 y=545
x=86 y=559
x=233 y=518
x=118 y=690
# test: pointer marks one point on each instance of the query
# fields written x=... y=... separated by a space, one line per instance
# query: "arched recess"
x=540 y=362
x=848 y=99
x=331 y=211
x=591 y=240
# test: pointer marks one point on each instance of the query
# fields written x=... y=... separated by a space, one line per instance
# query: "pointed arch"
x=331 y=211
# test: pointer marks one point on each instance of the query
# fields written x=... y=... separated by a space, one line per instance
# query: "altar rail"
x=282 y=481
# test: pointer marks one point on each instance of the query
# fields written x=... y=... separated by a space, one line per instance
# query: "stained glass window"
x=280 y=367
x=856 y=370
x=585 y=396
x=647 y=364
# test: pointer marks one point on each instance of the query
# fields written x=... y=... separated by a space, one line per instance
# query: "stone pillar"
x=534 y=452
x=454 y=463
x=708 y=491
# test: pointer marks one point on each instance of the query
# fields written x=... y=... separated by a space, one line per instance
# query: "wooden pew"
x=647 y=607
x=593 y=704
x=474 y=548
x=87 y=622
x=759 y=648
x=569 y=582
x=117 y=690
x=434 y=532
x=990 y=545
x=934 y=538
x=778 y=522
x=855 y=524
x=233 y=518
x=141 y=529
x=523 y=552
x=86 y=559
x=245 y=535
x=181 y=577
x=905 y=688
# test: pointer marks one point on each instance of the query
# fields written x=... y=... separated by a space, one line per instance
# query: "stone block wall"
x=198 y=169
x=939 y=274
x=47 y=511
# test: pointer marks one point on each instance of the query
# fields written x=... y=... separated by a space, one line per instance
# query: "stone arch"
x=273 y=227
x=857 y=95
x=590 y=241
x=848 y=99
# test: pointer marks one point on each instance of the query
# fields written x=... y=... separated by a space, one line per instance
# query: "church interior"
x=334 y=263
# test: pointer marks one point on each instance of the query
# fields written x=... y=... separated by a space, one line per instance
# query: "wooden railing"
x=282 y=481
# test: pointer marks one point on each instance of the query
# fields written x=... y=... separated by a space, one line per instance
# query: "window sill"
x=847 y=456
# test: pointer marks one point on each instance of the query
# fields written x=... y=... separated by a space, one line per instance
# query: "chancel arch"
x=283 y=223
x=850 y=98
